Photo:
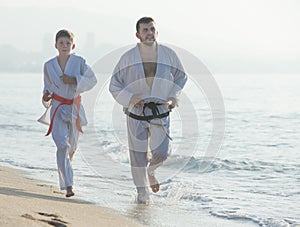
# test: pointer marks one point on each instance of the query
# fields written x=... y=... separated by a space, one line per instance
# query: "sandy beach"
x=27 y=202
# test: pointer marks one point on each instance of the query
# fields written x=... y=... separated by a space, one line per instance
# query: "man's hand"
x=172 y=103
x=47 y=96
x=68 y=80
x=137 y=100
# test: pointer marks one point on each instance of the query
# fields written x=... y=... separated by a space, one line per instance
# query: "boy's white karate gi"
x=64 y=132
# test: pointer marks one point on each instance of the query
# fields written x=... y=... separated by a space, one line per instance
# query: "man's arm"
x=118 y=90
x=180 y=79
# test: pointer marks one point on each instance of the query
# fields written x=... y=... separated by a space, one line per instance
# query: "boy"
x=65 y=77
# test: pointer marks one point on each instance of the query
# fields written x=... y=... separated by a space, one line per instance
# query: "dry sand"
x=24 y=202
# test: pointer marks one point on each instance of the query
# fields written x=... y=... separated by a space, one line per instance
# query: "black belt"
x=154 y=109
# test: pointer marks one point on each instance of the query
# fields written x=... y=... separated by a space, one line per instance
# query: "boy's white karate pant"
x=142 y=135
x=65 y=136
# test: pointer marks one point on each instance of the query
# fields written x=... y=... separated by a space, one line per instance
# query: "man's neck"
x=148 y=53
x=146 y=46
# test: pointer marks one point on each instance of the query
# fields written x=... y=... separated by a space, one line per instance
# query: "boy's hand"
x=68 y=80
x=47 y=96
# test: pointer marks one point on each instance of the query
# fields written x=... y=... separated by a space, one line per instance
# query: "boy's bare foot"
x=71 y=154
x=70 y=192
x=154 y=184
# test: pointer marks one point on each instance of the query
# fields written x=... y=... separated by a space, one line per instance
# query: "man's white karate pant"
x=65 y=136
x=142 y=135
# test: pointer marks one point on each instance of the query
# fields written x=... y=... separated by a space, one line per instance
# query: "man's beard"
x=149 y=42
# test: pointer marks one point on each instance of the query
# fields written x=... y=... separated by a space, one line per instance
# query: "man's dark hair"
x=143 y=20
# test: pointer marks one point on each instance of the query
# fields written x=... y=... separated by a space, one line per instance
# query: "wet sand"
x=26 y=202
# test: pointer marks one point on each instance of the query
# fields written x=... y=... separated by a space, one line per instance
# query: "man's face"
x=147 y=33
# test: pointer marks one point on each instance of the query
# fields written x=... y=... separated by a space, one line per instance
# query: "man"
x=147 y=82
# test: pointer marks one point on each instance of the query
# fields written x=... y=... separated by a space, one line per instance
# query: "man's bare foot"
x=70 y=192
x=154 y=184
x=143 y=196
x=71 y=154
x=143 y=199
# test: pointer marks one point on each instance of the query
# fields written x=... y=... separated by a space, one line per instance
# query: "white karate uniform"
x=129 y=79
x=64 y=131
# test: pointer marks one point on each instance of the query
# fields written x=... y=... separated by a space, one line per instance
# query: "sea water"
x=253 y=178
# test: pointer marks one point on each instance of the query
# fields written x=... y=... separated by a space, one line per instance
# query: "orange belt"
x=64 y=101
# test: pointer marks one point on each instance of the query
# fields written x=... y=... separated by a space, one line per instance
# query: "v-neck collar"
x=142 y=66
x=63 y=71
x=141 y=60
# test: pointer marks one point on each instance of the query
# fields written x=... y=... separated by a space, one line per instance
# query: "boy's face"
x=64 y=45
x=147 y=33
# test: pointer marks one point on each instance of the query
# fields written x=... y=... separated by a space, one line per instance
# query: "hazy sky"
x=215 y=30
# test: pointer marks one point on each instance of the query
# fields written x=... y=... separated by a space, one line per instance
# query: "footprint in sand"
x=55 y=219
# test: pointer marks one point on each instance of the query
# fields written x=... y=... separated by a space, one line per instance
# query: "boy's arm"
x=68 y=79
x=47 y=86
x=86 y=80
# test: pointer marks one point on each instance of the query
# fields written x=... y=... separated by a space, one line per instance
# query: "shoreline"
x=27 y=202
